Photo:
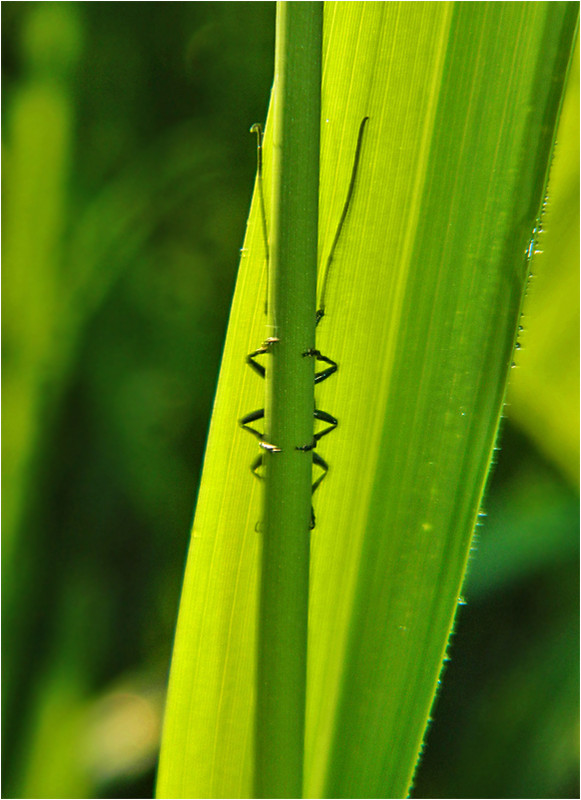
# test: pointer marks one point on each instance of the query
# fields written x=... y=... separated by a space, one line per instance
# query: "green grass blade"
x=436 y=295
x=422 y=308
x=284 y=585
x=208 y=736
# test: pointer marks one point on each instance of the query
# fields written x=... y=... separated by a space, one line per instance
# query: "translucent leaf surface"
x=423 y=304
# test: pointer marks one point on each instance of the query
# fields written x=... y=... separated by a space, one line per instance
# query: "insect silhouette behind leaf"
x=332 y=367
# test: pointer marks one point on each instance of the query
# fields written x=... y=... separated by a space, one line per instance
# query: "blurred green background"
x=127 y=174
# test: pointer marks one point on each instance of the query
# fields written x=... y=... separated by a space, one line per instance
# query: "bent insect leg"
x=255 y=465
x=322 y=416
x=325 y=373
x=264 y=348
x=259 y=414
x=252 y=417
x=320 y=462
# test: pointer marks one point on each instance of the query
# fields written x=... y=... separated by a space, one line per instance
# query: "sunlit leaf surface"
x=423 y=304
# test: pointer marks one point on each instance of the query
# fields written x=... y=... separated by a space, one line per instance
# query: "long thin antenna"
x=257 y=128
x=321 y=310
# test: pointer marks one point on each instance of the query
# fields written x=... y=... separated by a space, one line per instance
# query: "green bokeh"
x=128 y=169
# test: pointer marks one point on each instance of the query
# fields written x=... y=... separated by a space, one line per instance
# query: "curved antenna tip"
x=364 y=121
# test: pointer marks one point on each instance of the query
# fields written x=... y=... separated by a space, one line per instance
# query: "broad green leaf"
x=422 y=308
